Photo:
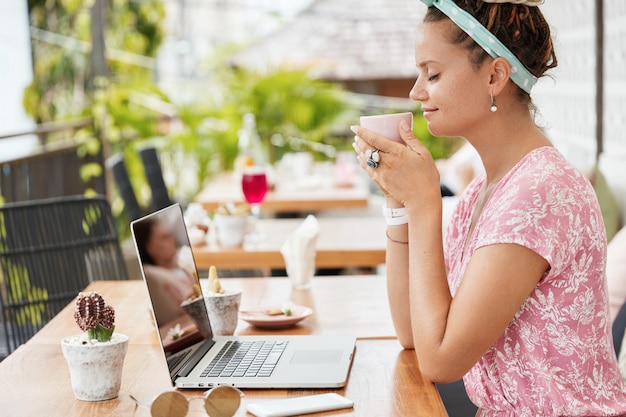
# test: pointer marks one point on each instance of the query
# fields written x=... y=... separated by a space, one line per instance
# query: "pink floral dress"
x=556 y=357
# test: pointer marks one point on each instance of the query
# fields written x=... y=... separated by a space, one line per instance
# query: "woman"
x=515 y=302
x=168 y=282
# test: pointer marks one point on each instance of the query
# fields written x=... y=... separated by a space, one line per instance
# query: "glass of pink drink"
x=255 y=187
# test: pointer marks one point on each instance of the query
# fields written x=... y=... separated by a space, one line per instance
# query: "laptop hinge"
x=195 y=358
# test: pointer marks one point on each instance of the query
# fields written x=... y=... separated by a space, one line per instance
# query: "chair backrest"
x=154 y=175
x=120 y=174
x=619 y=328
x=49 y=251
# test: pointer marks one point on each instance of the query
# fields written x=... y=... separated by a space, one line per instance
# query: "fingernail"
x=404 y=126
x=354 y=129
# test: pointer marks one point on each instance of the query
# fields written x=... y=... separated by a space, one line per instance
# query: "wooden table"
x=384 y=381
x=342 y=242
x=289 y=197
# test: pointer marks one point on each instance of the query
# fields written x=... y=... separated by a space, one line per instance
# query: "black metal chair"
x=120 y=174
x=154 y=175
x=619 y=328
x=49 y=251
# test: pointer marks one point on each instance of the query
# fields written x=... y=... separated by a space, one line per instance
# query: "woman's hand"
x=402 y=170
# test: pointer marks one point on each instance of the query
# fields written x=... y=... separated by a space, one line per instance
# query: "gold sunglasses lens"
x=222 y=401
x=170 y=404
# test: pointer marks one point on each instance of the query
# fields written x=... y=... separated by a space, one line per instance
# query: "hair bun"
x=522 y=2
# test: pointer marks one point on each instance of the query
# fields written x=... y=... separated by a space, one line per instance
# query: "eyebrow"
x=425 y=63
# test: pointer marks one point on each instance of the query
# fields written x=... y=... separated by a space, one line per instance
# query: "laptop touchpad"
x=305 y=357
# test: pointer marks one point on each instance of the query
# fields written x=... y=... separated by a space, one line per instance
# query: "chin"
x=436 y=129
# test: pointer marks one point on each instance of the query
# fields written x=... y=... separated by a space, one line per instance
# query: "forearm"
x=419 y=297
x=397 y=261
x=429 y=293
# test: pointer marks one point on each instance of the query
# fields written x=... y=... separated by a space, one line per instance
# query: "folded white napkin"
x=299 y=251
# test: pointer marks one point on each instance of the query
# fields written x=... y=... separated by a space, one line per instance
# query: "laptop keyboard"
x=246 y=359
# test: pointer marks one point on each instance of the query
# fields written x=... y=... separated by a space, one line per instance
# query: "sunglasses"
x=221 y=401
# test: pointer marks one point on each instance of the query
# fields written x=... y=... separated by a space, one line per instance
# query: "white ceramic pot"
x=95 y=368
x=223 y=311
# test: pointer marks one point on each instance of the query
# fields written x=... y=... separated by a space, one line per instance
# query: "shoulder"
x=545 y=204
x=545 y=185
x=545 y=167
x=545 y=179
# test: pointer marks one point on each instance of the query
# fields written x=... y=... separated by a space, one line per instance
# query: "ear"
x=500 y=72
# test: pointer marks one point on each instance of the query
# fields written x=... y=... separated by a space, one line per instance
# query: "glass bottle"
x=250 y=149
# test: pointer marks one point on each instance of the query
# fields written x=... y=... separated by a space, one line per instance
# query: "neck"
x=505 y=142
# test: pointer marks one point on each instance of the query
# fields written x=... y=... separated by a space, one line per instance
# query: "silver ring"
x=373 y=157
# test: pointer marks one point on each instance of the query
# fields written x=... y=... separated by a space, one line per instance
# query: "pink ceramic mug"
x=387 y=124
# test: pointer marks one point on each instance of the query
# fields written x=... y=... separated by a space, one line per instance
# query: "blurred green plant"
x=65 y=86
x=287 y=104
x=61 y=49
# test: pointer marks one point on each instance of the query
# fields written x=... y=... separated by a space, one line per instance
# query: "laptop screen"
x=171 y=276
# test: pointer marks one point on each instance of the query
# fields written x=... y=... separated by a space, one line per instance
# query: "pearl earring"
x=494 y=108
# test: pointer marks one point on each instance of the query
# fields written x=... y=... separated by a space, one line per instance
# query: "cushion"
x=608 y=204
x=616 y=271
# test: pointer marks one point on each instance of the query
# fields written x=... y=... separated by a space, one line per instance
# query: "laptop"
x=198 y=359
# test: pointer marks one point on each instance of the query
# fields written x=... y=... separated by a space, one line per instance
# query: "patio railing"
x=52 y=168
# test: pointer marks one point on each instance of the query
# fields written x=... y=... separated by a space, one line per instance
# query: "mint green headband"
x=492 y=45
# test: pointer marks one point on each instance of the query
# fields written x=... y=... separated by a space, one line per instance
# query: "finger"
x=359 y=153
x=362 y=156
x=358 y=144
x=362 y=149
x=374 y=140
x=408 y=136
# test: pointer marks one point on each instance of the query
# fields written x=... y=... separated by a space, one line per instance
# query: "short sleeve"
x=537 y=205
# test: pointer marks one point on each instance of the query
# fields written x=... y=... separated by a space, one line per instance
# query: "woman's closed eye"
x=433 y=77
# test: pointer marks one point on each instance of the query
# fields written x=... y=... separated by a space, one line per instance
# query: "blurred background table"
x=384 y=380
x=342 y=242
x=307 y=195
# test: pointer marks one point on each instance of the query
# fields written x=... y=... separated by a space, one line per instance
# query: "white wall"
x=613 y=161
x=15 y=75
x=567 y=103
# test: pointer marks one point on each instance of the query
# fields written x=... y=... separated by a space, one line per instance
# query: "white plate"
x=258 y=317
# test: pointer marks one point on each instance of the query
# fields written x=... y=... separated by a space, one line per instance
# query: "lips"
x=428 y=111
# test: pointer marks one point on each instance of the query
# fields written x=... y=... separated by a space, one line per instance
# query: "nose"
x=417 y=93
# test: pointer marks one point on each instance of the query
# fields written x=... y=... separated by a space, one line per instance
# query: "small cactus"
x=94 y=317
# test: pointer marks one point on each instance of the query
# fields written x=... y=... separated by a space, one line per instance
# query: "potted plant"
x=96 y=357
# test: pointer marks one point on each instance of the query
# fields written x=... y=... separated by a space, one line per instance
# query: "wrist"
x=404 y=241
x=393 y=212
x=397 y=221
x=392 y=202
x=395 y=216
